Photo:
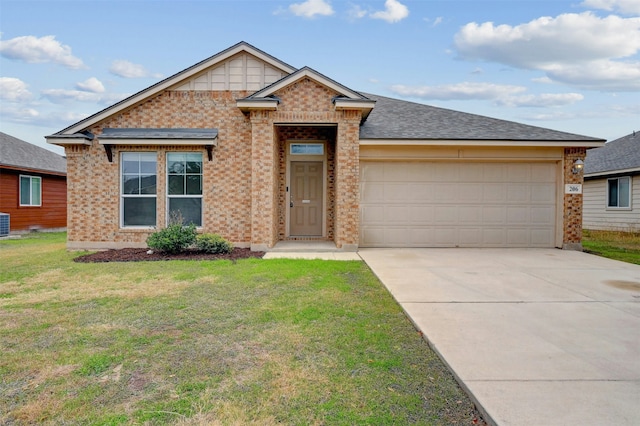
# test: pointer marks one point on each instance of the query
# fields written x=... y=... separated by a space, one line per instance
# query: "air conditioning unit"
x=4 y=224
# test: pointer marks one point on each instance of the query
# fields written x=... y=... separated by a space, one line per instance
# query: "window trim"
x=200 y=196
x=122 y=195
x=31 y=180
x=629 y=195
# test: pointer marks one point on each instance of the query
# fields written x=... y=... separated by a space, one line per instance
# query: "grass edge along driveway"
x=210 y=342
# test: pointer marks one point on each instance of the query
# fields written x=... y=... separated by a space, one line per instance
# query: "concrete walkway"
x=536 y=336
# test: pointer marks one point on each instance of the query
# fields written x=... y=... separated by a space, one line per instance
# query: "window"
x=138 y=189
x=619 y=192
x=307 y=149
x=30 y=191
x=184 y=188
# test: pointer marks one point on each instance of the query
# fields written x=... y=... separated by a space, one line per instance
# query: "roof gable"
x=243 y=71
x=18 y=154
x=196 y=75
x=312 y=74
x=620 y=155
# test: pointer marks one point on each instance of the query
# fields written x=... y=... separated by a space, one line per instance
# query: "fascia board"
x=62 y=141
x=150 y=142
x=455 y=142
x=245 y=105
x=354 y=104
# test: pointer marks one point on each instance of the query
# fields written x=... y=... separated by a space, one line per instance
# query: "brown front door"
x=306 y=198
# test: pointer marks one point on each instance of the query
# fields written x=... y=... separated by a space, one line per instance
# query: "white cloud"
x=311 y=8
x=127 y=69
x=394 y=12
x=459 y=91
x=600 y=75
x=561 y=47
x=356 y=12
x=543 y=100
x=18 y=114
x=60 y=96
x=32 y=49
x=504 y=95
x=91 y=85
x=629 y=7
x=14 y=90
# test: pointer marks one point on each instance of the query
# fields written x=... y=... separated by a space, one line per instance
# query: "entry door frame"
x=306 y=157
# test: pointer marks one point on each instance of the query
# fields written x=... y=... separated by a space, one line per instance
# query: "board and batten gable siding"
x=51 y=214
x=240 y=72
x=596 y=214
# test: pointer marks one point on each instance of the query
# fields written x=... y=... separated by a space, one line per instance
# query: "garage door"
x=457 y=204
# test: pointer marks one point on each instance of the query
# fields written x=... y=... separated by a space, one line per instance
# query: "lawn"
x=624 y=246
x=256 y=341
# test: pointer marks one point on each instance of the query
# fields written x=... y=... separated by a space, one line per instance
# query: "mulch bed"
x=141 y=255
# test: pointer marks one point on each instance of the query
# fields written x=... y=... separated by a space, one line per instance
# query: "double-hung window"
x=30 y=190
x=184 y=188
x=619 y=192
x=138 y=193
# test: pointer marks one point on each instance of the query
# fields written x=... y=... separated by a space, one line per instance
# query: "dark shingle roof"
x=19 y=154
x=398 y=119
x=620 y=154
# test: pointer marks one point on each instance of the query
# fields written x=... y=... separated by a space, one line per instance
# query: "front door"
x=306 y=198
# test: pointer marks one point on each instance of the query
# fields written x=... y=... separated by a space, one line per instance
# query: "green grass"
x=260 y=342
x=624 y=246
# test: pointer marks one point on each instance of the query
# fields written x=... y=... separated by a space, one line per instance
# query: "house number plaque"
x=573 y=188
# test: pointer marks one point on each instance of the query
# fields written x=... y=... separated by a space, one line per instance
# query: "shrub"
x=213 y=243
x=175 y=238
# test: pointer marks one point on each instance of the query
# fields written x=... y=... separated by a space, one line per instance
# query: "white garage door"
x=457 y=204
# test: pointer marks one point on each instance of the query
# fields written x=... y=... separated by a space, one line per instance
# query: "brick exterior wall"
x=244 y=185
x=572 y=209
x=94 y=183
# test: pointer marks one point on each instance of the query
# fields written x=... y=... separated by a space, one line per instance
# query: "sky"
x=572 y=66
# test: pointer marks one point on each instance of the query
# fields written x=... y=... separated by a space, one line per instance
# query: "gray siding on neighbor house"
x=597 y=216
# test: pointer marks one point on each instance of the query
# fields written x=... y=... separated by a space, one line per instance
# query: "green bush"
x=213 y=243
x=175 y=238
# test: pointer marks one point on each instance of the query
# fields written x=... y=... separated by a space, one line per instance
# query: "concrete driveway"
x=536 y=336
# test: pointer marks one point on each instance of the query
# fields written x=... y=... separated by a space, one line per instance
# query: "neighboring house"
x=33 y=186
x=612 y=186
x=245 y=145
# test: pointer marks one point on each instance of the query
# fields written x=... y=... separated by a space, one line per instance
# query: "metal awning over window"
x=158 y=136
x=169 y=136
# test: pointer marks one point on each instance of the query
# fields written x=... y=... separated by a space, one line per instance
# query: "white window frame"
x=123 y=195
x=32 y=179
x=629 y=196
x=199 y=196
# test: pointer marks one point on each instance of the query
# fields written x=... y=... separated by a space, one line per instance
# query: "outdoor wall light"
x=578 y=165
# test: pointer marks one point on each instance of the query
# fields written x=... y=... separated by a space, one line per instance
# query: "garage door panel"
x=396 y=192
x=470 y=215
x=542 y=215
x=494 y=215
x=372 y=192
x=421 y=215
x=543 y=193
x=448 y=204
x=443 y=215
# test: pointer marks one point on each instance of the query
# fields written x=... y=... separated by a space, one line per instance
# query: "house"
x=245 y=145
x=612 y=186
x=33 y=186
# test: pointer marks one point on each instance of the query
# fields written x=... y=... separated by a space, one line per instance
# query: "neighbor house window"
x=619 y=192
x=30 y=191
x=184 y=187
x=138 y=194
